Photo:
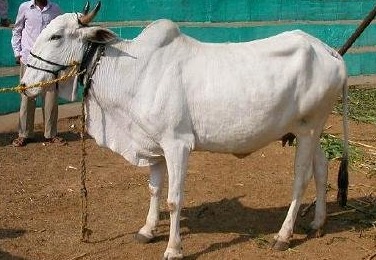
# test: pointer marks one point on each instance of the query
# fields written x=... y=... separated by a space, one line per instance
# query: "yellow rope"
x=21 y=88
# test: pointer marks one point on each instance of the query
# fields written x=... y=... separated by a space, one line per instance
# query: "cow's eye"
x=55 y=37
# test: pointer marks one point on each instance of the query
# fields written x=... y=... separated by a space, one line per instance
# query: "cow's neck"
x=107 y=104
x=118 y=78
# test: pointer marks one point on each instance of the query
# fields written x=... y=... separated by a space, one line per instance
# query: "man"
x=32 y=18
x=4 y=13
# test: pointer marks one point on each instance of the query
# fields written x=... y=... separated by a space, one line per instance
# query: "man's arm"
x=17 y=33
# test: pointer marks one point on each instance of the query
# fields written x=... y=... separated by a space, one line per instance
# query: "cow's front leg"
x=147 y=232
x=303 y=173
x=177 y=160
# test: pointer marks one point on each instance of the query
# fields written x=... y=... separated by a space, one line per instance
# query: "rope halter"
x=54 y=72
x=72 y=73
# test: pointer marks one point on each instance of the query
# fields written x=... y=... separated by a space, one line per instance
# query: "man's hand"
x=18 y=60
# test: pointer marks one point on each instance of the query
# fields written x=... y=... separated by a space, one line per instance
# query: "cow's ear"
x=99 y=35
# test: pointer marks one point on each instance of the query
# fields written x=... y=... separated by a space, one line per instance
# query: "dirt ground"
x=232 y=208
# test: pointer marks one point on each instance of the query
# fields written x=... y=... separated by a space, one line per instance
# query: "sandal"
x=19 y=142
x=56 y=140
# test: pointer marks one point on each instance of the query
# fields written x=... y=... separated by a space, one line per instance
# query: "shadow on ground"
x=230 y=216
x=10 y=234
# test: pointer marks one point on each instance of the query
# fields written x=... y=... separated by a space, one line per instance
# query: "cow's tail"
x=343 y=175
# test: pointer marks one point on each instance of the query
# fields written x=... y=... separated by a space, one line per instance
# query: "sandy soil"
x=232 y=208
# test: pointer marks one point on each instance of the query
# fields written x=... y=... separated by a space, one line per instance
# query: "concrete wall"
x=333 y=21
x=221 y=10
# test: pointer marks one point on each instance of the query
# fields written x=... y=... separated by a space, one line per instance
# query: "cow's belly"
x=239 y=137
x=243 y=123
x=235 y=145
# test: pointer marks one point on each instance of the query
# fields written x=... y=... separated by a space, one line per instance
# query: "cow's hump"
x=159 y=33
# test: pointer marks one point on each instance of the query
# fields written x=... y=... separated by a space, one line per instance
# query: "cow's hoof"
x=172 y=258
x=142 y=238
x=172 y=254
x=280 y=245
x=315 y=233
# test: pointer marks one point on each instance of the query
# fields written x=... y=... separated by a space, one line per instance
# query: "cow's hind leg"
x=147 y=232
x=320 y=167
x=303 y=173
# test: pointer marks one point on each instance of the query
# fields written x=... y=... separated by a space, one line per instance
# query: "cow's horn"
x=87 y=18
x=86 y=8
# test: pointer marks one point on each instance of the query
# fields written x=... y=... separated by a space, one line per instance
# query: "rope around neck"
x=85 y=231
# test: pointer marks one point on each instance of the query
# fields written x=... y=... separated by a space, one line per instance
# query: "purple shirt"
x=30 y=21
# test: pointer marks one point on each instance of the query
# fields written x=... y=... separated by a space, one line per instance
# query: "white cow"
x=156 y=98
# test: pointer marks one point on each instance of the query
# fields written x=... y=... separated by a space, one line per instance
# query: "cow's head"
x=60 y=44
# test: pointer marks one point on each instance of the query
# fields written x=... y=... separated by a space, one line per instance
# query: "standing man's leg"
x=50 y=116
x=50 y=113
x=26 y=119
